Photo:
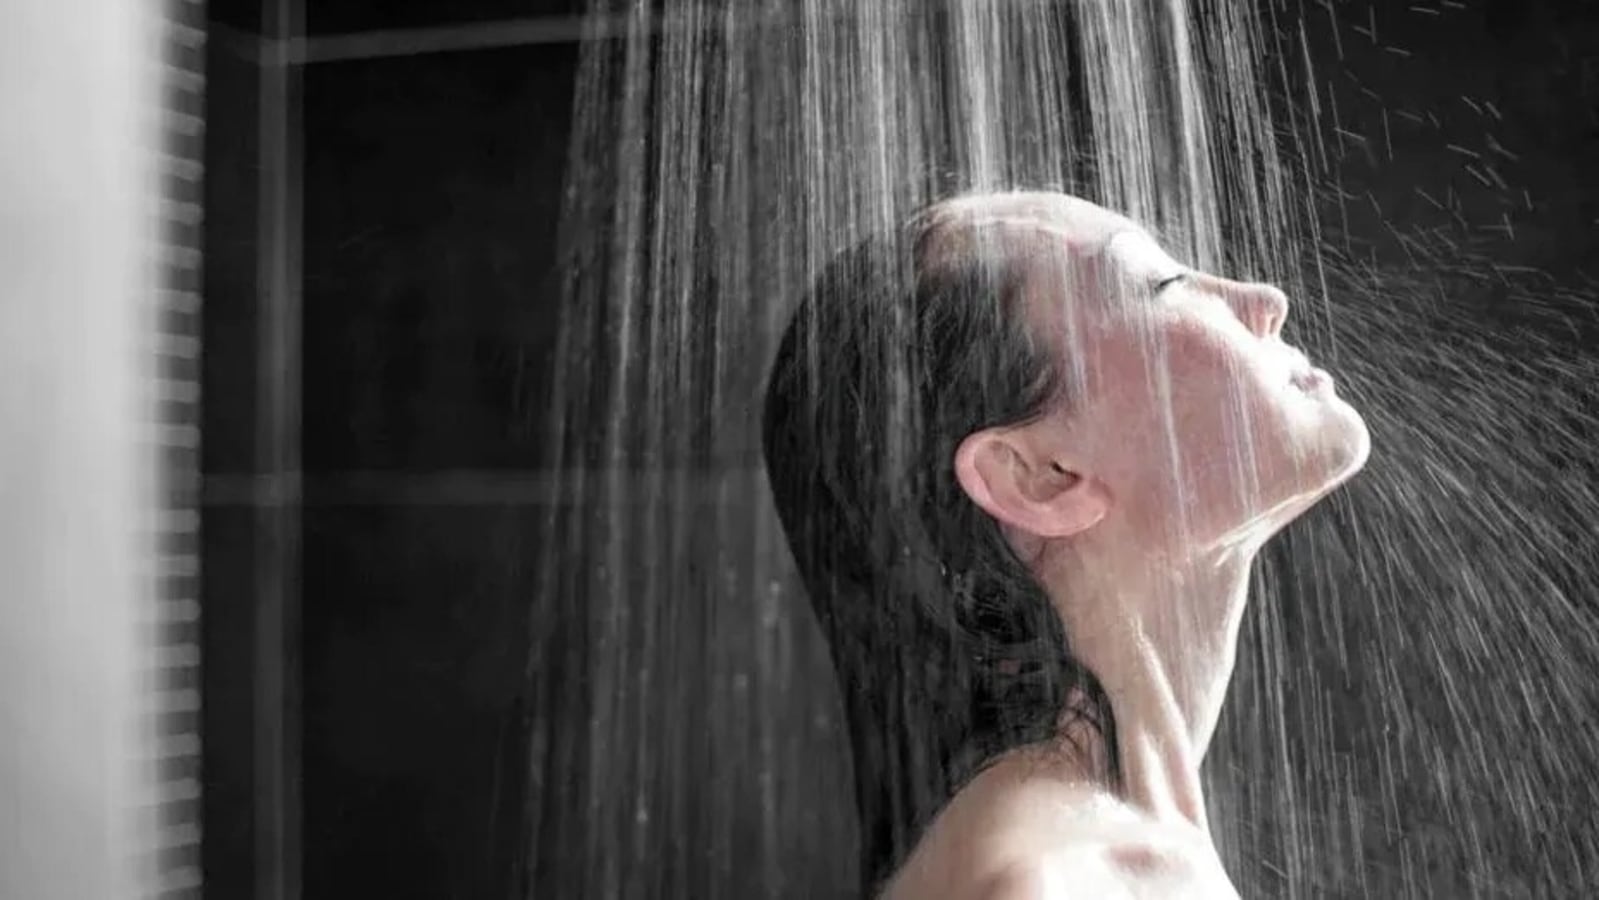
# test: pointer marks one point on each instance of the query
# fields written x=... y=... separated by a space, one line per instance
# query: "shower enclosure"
x=468 y=631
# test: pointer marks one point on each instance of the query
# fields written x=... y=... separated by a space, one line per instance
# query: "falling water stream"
x=1414 y=708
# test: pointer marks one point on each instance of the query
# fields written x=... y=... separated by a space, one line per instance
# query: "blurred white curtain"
x=77 y=127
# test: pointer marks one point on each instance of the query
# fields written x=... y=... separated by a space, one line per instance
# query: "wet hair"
x=947 y=649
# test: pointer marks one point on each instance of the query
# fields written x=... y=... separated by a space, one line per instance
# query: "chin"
x=1342 y=448
x=1357 y=437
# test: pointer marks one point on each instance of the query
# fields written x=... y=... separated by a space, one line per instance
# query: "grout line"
x=398 y=42
x=276 y=800
x=525 y=32
x=448 y=38
x=462 y=488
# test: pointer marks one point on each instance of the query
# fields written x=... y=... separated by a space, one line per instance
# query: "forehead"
x=1082 y=259
x=1058 y=236
x=1091 y=274
x=1080 y=224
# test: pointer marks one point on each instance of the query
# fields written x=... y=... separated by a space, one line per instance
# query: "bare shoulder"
x=1016 y=882
x=1019 y=838
x=1134 y=870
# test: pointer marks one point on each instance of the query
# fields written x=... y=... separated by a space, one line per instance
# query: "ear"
x=1024 y=488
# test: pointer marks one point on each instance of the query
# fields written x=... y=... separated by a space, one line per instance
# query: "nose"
x=1262 y=307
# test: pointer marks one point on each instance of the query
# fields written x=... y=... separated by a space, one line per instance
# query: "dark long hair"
x=947 y=649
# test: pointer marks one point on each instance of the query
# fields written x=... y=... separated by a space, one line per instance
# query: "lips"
x=1305 y=376
x=1311 y=379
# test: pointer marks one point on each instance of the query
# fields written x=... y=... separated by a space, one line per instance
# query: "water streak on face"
x=1206 y=427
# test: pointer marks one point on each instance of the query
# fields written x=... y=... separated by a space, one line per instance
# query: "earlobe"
x=1043 y=498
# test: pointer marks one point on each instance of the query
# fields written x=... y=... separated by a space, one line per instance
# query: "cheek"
x=1214 y=388
x=1231 y=423
x=1195 y=389
x=1172 y=383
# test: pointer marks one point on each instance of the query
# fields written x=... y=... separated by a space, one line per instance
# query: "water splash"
x=1412 y=714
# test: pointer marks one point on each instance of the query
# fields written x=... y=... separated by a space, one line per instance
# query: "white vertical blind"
x=79 y=505
x=172 y=659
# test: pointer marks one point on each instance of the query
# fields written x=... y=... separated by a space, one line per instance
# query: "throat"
x=1164 y=655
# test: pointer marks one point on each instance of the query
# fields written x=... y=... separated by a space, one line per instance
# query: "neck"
x=1162 y=643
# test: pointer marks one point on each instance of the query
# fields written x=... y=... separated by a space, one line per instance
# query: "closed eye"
x=1168 y=282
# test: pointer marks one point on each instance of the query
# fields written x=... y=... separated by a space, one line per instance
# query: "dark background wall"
x=430 y=188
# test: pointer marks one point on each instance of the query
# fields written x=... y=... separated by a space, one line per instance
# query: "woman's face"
x=1203 y=424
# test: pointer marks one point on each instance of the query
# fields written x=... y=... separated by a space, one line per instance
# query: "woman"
x=1025 y=461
